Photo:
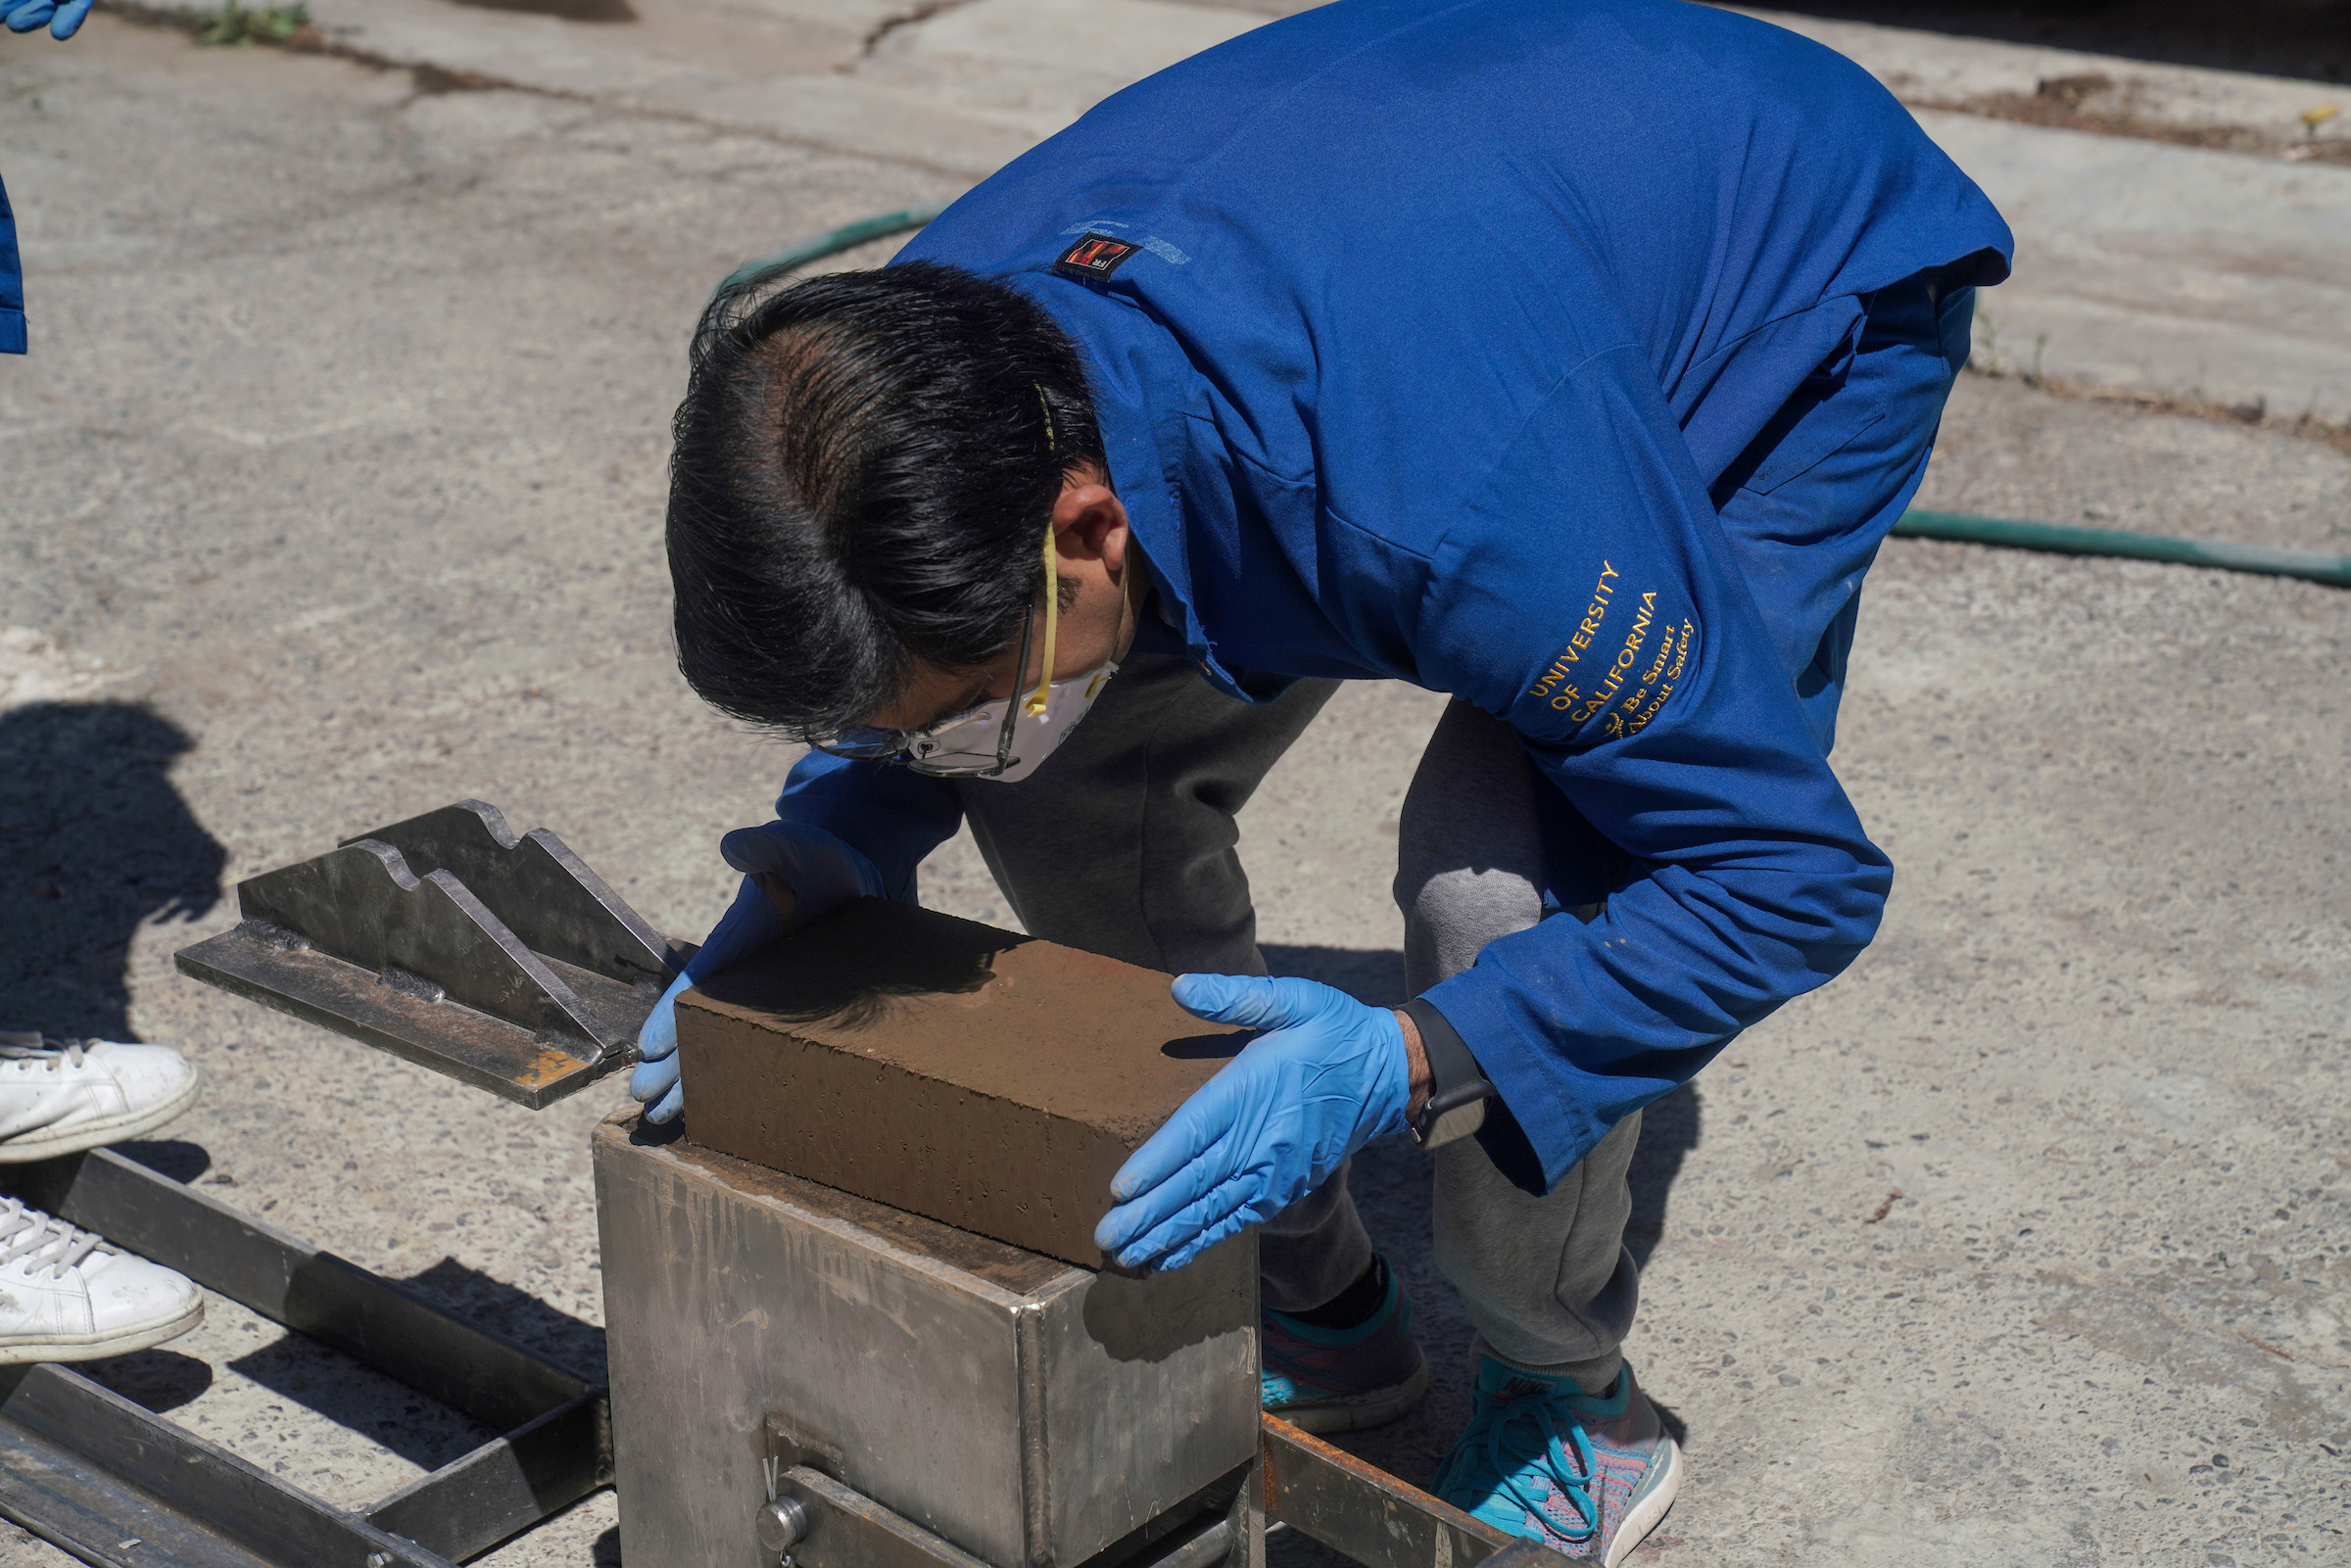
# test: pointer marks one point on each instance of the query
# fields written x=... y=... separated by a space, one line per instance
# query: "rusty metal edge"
x=1364 y=1512
x=243 y=964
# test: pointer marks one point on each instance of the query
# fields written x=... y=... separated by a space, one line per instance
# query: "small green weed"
x=235 y=24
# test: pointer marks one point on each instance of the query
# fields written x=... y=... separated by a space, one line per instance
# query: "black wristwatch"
x=1457 y=1089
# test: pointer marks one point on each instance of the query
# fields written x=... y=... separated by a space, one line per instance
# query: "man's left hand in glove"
x=791 y=874
x=1328 y=1076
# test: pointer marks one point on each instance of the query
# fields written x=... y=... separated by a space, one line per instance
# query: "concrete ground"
x=333 y=493
x=2146 y=259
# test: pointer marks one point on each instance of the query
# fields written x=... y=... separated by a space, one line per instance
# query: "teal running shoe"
x=1343 y=1380
x=1586 y=1475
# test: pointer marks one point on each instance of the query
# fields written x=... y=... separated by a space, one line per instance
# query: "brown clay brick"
x=968 y=1074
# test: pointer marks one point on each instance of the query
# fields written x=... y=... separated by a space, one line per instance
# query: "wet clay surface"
x=943 y=1067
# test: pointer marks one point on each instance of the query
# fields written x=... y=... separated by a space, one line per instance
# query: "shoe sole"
x=47 y=1143
x=1357 y=1412
x=97 y=1347
x=1647 y=1506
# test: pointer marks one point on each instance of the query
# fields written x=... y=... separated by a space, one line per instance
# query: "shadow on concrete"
x=517 y=1314
x=386 y=1412
x=1670 y=1130
x=94 y=842
x=181 y=1160
x=154 y=1380
x=407 y=1422
x=2306 y=38
x=560 y=10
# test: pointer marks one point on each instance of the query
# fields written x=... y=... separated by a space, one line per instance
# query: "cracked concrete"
x=893 y=21
x=341 y=445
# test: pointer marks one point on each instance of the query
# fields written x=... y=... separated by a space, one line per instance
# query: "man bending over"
x=1571 y=358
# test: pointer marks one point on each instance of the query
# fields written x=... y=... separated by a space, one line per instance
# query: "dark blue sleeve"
x=1587 y=597
x=12 y=282
x=895 y=815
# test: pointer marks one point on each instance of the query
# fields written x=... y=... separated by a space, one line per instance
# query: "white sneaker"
x=66 y=1296
x=59 y=1098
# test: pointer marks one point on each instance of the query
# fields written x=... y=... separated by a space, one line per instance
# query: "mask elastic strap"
x=1035 y=706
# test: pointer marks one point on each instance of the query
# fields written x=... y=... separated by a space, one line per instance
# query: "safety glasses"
x=976 y=743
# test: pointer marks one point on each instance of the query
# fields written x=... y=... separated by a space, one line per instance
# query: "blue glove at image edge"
x=65 y=19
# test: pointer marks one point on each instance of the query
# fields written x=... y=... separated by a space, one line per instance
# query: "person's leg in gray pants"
x=1547 y=1280
x=1123 y=844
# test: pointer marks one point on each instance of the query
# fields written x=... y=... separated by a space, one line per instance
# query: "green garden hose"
x=833 y=242
x=2310 y=565
x=2219 y=553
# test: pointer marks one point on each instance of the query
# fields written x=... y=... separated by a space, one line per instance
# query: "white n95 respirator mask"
x=1007 y=738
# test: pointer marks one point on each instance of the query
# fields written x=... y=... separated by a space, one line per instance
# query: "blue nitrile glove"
x=63 y=16
x=1329 y=1077
x=824 y=872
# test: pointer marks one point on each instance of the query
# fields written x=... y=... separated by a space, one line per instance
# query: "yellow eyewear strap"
x=1035 y=706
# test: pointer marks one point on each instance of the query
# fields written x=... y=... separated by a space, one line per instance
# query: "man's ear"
x=1089 y=523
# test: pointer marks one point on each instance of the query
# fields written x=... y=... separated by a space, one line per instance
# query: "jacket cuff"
x=1479 y=1107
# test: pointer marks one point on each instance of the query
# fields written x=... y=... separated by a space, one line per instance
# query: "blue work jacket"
x=1421 y=332
x=12 y=282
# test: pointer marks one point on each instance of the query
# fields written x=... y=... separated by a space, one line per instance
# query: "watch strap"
x=1457 y=1089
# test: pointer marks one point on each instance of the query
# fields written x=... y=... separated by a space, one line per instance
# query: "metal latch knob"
x=782 y=1525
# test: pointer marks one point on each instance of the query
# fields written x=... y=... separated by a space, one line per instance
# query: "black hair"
x=864 y=469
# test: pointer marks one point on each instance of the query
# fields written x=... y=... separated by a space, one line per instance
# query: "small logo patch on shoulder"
x=1097 y=256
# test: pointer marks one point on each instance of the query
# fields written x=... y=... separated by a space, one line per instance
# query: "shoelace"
x=1499 y=1412
x=27 y=1232
x=34 y=1046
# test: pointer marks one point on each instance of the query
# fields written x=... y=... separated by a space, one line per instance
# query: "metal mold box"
x=1028 y=1411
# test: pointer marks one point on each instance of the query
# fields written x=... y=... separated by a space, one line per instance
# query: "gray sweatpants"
x=1123 y=843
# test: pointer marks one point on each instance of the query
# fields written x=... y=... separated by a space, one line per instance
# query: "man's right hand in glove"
x=791 y=874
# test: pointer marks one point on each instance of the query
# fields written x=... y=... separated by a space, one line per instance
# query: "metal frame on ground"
x=120 y=1485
